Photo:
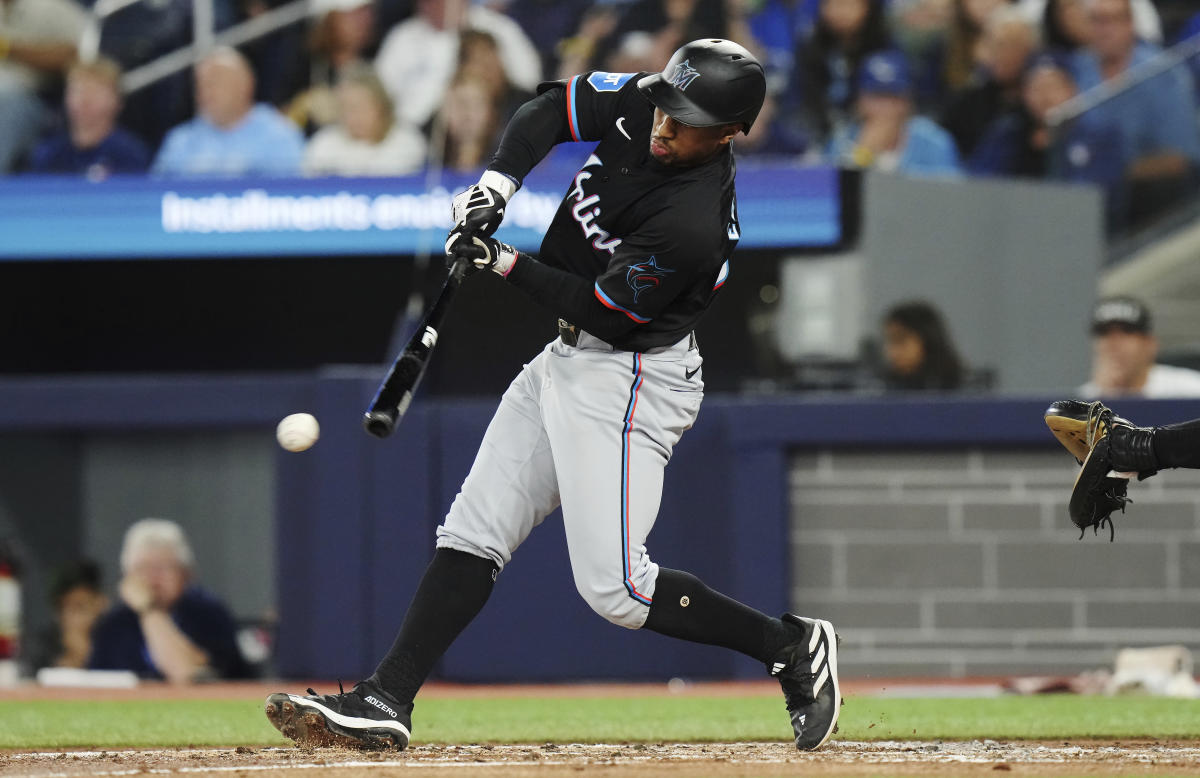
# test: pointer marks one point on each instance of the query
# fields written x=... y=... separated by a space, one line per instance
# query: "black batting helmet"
x=707 y=83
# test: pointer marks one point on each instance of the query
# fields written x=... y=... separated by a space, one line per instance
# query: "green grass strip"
x=166 y=724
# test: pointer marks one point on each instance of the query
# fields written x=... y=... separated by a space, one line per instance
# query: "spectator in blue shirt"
x=1022 y=144
x=165 y=626
x=231 y=136
x=92 y=144
x=1160 y=146
x=887 y=135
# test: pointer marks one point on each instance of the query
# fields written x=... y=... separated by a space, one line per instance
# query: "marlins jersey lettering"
x=655 y=240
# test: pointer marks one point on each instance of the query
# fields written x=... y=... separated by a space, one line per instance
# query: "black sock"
x=453 y=590
x=1178 y=445
x=685 y=608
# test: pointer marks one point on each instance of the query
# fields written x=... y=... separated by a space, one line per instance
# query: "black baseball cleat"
x=363 y=717
x=807 y=671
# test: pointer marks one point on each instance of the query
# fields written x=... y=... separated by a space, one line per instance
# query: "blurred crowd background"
x=382 y=87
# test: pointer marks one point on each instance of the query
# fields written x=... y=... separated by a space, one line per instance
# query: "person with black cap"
x=1124 y=350
x=635 y=255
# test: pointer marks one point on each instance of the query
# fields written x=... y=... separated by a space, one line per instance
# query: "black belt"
x=569 y=334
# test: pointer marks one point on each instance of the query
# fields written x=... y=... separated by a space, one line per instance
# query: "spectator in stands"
x=918 y=351
x=38 y=40
x=1124 y=351
x=479 y=57
x=92 y=144
x=886 y=134
x=1066 y=24
x=368 y=139
x=341 y=33
x=471 y=120
x=1156 y=117
x=920 y=29
x=1022 y=144
x=417 y=59
x=829 y=63
x=138 y=34
x=231 y=135
x=165 y=625
x=78 y=601
x=995 y=87
x=963 y=41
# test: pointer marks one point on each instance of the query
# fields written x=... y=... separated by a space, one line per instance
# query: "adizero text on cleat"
x=364 y=717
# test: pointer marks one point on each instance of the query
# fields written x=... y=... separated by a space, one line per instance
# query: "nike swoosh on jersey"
x=689 y=373
x=621 y=128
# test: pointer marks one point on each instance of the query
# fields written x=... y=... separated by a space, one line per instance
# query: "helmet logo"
x=683 y=76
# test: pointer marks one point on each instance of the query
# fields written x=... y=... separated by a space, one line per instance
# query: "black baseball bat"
x=395 y=393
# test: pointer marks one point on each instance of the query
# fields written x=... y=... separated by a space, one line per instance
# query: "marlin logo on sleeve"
x=683 y=76
x=645 y=277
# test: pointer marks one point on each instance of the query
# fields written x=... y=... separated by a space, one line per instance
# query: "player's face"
x=679 y=145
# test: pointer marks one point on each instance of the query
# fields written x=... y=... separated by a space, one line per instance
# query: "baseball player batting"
x=636 y=253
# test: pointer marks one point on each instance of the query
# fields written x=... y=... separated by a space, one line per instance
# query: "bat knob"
x=379 y=423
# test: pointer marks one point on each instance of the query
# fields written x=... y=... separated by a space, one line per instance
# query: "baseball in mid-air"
x=298 y=432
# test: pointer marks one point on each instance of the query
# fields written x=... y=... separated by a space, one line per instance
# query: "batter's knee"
x=614 y=602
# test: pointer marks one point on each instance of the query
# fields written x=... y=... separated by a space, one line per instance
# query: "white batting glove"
x=480 y=208
x=483 y=252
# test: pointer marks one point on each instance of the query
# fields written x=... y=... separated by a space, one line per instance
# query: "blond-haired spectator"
x=92 y=144
x=165 y=626
x=38 y=39
x=367 y=139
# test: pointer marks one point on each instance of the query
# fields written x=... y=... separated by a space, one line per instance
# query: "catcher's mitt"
x=1078 y=425
x=1098 y=491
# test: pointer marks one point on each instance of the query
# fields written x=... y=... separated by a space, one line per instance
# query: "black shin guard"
x=687 y=609
x=453 y=590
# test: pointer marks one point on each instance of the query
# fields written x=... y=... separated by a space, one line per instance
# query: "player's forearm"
x=537 y=127
x=173 y=653
x=569 y=296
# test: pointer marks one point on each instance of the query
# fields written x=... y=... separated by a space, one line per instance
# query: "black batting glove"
x=480 y=252
x=480 y=208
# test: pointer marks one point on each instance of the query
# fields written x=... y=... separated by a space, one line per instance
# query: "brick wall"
x=965 y=562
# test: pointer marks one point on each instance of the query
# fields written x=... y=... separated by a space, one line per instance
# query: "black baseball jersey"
x=654 y=240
